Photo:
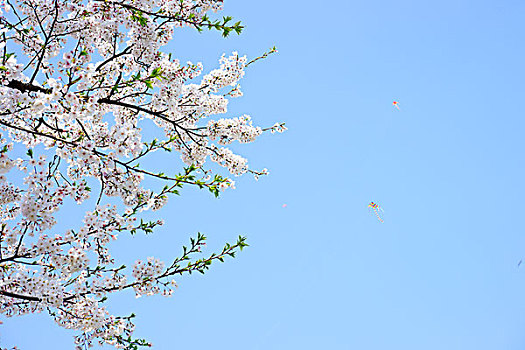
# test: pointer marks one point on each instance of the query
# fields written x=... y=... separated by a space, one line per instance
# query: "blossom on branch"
x=77 y=81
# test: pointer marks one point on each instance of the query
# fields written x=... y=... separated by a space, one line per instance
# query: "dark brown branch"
x=126 y=51
x=23 y=87
x=19 y=296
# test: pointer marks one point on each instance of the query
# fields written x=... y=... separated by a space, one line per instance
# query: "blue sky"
x=440 y=273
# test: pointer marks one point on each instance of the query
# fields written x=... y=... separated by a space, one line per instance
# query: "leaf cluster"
x=201 y=265
x=220 y=25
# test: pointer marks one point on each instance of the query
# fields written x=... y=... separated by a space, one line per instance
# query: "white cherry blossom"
x=79 y=80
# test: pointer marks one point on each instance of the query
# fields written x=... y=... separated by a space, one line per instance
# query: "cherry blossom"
x=79 y=80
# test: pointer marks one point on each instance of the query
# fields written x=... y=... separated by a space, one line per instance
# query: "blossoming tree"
x=78 y=79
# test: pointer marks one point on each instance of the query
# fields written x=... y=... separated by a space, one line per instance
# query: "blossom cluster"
x=228 y=130
x=147 y=272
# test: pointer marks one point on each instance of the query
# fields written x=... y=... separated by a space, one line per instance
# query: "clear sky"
x=323 y=273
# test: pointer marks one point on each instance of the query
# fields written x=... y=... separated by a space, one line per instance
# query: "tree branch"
x=19 y=296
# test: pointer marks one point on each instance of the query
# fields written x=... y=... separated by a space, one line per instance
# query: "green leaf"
x=155 y=72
